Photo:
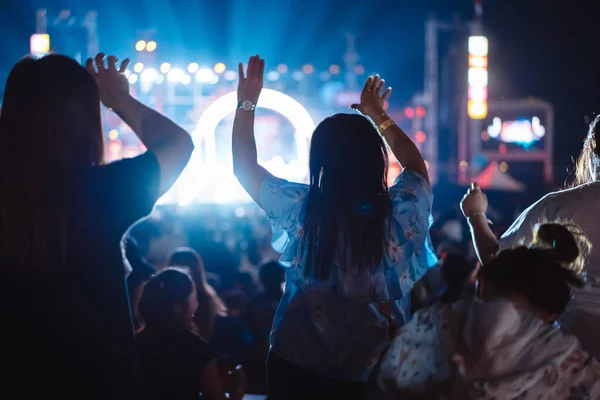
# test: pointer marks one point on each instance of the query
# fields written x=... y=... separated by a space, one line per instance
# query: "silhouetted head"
x=588 y=162
x=190 y=259
x=347 y=203
x=51 y=134
x=272 y=276
x=169 y=300
x=542 y=274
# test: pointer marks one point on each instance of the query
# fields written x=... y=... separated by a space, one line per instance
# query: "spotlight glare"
x=175 y=75
x=186 y=79
x=193 y=67
x=140 y=45
x=204 y=75
x=298 y=76
x=149 y=75
x=282 y=68
x=165 y=67
x=151 y=46
x=219 y=68
x=138 y=67
x=133 y=78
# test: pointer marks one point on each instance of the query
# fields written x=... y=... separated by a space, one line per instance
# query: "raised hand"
x=112 y=82
x=371 y=98
x=475 y=202
x=250 y=85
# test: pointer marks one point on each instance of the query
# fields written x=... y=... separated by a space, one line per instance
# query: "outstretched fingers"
x=124 y=65
x=241 y=72
x=387 y=93
x=89 y=66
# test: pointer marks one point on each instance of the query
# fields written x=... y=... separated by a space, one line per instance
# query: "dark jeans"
x=286 y=381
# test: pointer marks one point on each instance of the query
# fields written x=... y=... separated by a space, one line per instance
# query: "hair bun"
x=565 y=243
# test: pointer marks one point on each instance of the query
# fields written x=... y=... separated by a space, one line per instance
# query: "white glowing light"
x=186 y=79
x=176 y=75
x=133 y=78
x=160 y=79
x=204 y=170
x=214 y=79
x=204 y=75
x=149 y=75
x=478 y=46
x=193 y=67
x=478 y=77
x=298 y=76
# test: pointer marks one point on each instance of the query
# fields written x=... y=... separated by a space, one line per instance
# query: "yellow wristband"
x=385 y=124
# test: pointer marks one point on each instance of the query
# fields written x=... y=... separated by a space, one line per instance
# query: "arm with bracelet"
x=474 y=207
x=371 y=105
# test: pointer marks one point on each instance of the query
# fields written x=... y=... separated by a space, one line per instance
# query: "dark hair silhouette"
x=51 y=134
x=209 y=303
x=272 y=275
x=171 y=286
x=348 y=208
x=547 y=270
x=588 y=162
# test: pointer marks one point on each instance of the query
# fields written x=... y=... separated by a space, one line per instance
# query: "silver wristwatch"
x=246 y=105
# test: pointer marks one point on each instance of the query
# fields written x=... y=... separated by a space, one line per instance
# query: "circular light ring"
x=271 y=99
x=204 y=157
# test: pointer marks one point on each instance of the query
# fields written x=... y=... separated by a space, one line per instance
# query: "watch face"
x=247 y=105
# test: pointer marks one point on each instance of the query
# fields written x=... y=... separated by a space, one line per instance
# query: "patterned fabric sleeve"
x=410 y=250
x=283 y=203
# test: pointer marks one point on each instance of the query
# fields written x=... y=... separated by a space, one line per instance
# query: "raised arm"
x=243 y=144
x=371 y=105
x=474 y=206
x=171 y=144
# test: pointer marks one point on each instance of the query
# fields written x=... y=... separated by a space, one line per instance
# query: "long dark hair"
x=588 y=162
x=209 y=303
x=51 y=133
x=547 y=270
x=171 y=286
x=348 y=206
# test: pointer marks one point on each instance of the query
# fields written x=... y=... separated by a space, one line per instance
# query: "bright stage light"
x=204 y=75
x=219 y=68
x=149 y=75
x=186 y=79
x=39 y=43
x=140 y=45
x=138 y=67
x=133 y=78
x=175 y=75
x=165 y=67
x=204 y=169
x=193 y=68
x=151 y=46
x=478 y=77
x=478 y=46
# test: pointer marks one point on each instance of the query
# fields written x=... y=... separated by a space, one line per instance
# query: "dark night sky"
x=546 y=49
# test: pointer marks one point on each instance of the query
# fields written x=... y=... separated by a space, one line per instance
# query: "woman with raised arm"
x=352 y=248
x=67 y=330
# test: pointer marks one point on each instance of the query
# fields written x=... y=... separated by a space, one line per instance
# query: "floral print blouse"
x=334 y=327
x=486 y=351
